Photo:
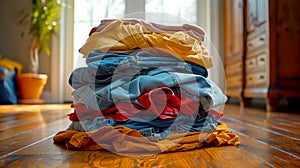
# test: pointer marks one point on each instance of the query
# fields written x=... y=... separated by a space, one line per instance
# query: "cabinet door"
x=234 y=46
x=227 y=30
x=238 y=31
x=287 y=46
x=234 y=28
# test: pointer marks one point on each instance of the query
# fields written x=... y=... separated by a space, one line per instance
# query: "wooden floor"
x=267 y=140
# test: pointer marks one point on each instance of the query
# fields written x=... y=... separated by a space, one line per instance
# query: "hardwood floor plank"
x=45 y=147
x=26 y=121
x=32 y=108
x=276 y=117
x=263 y=150
x=36 y=134
x=283 y=142
x=35 y=123
x=22 y=119
x=266 y=127
x=11 y=117
x=263 y=122
x=5 y=149
x=205 y=157
x=43 y=161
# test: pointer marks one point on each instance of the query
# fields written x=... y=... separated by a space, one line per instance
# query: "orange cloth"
x=118 y=36
x=122 y=139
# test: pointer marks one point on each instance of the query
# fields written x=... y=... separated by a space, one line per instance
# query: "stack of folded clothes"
x=145 y=89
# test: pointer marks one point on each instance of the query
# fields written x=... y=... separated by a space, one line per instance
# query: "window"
x=89 y=13
x=177 y=9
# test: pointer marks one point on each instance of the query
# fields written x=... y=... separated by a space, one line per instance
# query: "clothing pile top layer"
x=127 y=36
x=145 y=89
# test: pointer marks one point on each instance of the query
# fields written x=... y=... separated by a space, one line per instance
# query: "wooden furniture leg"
x=272 y=103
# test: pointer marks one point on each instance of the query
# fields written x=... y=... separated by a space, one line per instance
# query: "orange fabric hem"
x=125 y=140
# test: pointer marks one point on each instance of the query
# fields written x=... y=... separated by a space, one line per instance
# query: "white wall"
x=12 y=45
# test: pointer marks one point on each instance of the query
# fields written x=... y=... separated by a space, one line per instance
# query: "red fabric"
x=160 y=102
x=218 y=115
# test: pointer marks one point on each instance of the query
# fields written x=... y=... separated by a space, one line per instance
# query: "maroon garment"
x=81 y=112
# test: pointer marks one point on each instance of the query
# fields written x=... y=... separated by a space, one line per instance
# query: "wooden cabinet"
x=256 y=48
x=271 y=51
x=234 y=47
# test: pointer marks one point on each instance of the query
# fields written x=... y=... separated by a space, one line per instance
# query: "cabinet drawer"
x=234 y=68
x=256 y=78
x=251 y=63
x=261 y=59
x=234 y=81
x=257 y=41
x=256 y=61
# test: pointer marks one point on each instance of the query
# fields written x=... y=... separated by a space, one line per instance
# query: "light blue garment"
x=125 y=89
x=103 y=67
x=156 y=129
x=111 y=78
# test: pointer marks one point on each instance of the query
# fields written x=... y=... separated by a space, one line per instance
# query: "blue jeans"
x=154 y=130
x=126 y=89
x=102 y=67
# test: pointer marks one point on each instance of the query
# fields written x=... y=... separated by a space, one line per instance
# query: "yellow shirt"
x=127 y=37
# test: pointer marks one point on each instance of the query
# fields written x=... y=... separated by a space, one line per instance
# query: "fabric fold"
x=122 y=139
x=117 y=36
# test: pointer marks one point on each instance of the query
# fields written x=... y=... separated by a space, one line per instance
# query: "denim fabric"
x=102 y=67
x=205 y=124
x=125 y=89
x=135 y=123
x=154 y=135
x=154 y=130
x=89 y=125
x=196 y=69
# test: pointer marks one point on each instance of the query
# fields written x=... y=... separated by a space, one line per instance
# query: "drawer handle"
x=261 y=77
x=249 y=78
x=251 y=62
x=262 y=39
x=262 y=59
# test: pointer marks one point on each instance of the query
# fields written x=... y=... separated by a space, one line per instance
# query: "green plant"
x=44 y=21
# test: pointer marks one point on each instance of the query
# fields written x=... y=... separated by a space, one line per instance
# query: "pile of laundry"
x=145 y=89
